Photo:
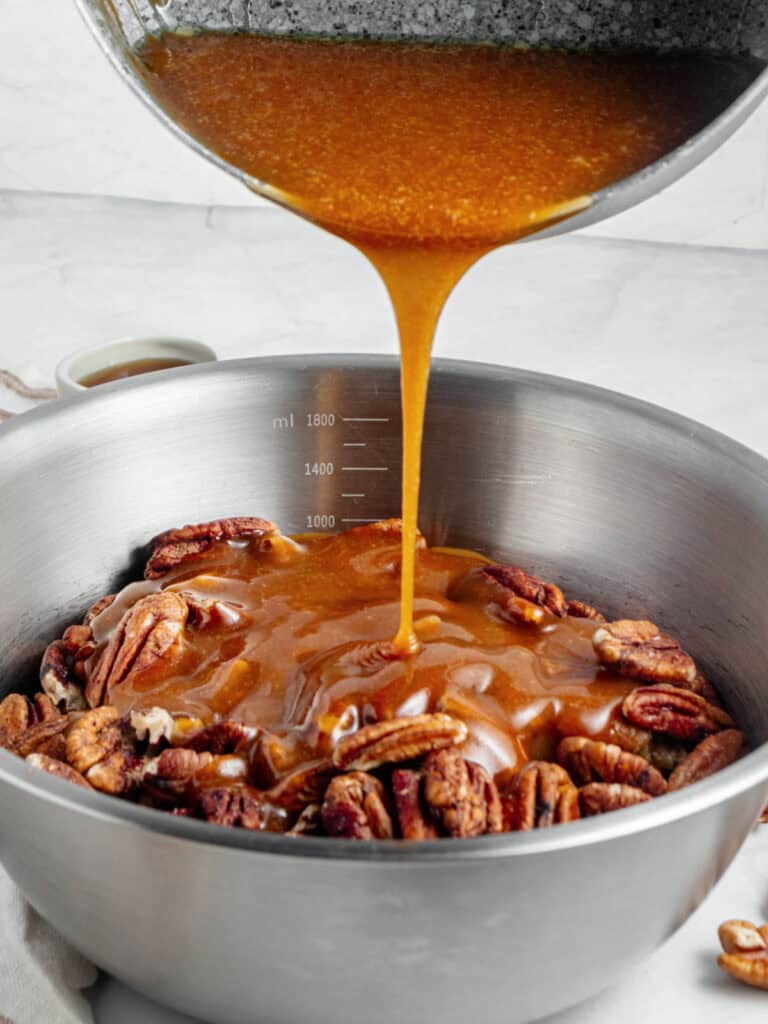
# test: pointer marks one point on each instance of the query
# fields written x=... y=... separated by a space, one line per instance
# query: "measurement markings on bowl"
x=356 y=496
x=333 y=442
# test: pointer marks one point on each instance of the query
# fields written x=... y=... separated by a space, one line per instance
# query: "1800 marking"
x=321 y=419
x=318 y=469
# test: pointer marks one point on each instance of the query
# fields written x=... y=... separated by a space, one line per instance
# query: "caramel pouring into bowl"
x=427 y=156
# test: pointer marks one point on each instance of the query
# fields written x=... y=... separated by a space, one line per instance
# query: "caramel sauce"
x=308 y=655
x=130 y=369
x=426 y=156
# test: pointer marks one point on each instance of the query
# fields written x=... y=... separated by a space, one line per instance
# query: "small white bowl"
x=88 y=361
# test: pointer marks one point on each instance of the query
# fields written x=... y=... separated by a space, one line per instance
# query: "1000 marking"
x=320 y=521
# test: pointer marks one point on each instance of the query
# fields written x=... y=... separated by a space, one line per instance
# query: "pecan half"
x=738 y=936
x=97 y=748
x=79 y=641
x=119 y=772
x=591 y=761
x=663 y=752
x=172 y=548
x=712 y=754
x=525 y=598
x=177 y=764
x=485 y=788
x=680 y=713
x=539 y=795
x=356 y=807
x=304 y=786
x=145 y=634
x=460 y=795
x=745 y=952
x=169 y=777
x=45 y=709
x=582 y=610
x=234 y=807
x=57 y=677
x=601 y=797
x=16 y=715
x=397 y=739
x=640 y=650
x=58 y=768
x=35 y=726
x=412 y=815
x=45 y=737
x=222 y=737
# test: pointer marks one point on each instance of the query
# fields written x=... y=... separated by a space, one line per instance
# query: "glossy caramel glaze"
x=308 y=655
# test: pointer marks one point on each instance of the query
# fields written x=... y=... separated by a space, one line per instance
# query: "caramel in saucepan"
x=427 y=156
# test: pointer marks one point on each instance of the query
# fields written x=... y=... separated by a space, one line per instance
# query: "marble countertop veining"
x=682 y=326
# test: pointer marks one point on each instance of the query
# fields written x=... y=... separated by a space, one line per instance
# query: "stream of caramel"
x=427 y=156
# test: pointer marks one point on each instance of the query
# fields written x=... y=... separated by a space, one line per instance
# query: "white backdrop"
x=67 y=124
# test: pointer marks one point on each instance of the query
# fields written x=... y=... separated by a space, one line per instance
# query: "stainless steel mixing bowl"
x=733 y=27
x=625 y=504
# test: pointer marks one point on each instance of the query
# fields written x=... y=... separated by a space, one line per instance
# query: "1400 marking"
x=318 y=469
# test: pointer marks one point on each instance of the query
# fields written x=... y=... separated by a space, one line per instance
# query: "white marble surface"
x=678 y=325
x=68 y=124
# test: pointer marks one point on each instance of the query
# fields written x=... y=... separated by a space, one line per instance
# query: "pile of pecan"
x=400 y=778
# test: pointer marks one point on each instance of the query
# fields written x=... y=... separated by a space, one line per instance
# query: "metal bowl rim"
x=750 y=771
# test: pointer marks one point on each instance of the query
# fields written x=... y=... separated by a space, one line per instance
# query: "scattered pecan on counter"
x=745 y=952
